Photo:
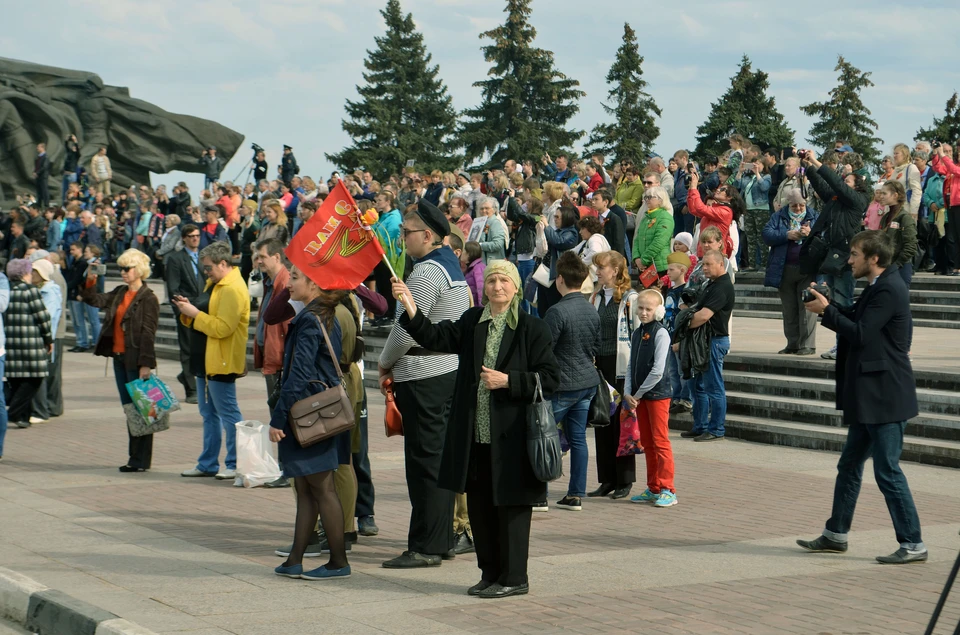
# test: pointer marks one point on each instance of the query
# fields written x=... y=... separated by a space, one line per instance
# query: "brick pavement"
x=193 y=556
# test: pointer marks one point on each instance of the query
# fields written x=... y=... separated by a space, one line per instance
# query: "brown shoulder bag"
x=325 y=414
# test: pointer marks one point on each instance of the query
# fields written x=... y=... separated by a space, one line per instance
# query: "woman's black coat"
x=523 y=353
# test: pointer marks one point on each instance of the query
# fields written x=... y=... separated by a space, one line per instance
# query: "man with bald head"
x=509 y=167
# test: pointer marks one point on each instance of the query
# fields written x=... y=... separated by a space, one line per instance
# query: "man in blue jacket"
x=877 y=393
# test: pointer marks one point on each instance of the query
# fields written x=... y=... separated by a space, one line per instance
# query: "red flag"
x=334 y=248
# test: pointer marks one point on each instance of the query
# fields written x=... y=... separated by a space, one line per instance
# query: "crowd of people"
x=501 y=284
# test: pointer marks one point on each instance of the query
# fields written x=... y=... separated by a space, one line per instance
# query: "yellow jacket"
x=226 y=325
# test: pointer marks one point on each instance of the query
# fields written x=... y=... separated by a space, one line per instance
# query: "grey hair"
x=489 y=199
x=657 y=161
x=661 y=192
x=218 y=252
x=917 y=154
x=19 y=268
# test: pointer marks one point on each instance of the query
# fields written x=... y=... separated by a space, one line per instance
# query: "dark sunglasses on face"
x=126 y=269
x=207 y=268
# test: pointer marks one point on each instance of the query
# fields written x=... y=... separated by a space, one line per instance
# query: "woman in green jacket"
x=651 y=240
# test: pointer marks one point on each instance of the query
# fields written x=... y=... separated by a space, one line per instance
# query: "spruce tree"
x=744 y=109
x=946 y=128
x=633 y=131
x=404 y=111
x=844 y=117
x=526 y=103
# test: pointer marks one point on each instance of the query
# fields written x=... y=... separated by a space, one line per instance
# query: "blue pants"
x=680 y=387
x=526 y=269
x=218 y=407
x=571 y=407
x=884 y=443
x=67 y=180
x=709 y=392
x=3 y=406
x=84 y=314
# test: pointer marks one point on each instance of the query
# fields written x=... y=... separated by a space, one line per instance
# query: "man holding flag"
x=424 y=384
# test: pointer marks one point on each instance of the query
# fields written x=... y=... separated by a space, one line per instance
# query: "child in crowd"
x=471 y=260
x=678 y=269
x=682 y=243
x=647 y=390
x=710 y=239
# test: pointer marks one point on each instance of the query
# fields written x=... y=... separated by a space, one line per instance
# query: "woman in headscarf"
x=502 y=352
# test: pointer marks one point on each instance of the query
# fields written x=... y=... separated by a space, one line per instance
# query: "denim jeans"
x=67 y=180
x=841 y=288
x=571 y=407
x=709 y=392
x=3 y=406
x=526 y=269
x=884 y=443
x=680 y=387
x=82 y=315
x=218 y=407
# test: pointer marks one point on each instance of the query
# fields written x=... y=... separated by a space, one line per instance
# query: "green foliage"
x=946 y=128
x=745 y=109
x=404 y=111
x=844 y=117
x=633 y=131
x=525 y=104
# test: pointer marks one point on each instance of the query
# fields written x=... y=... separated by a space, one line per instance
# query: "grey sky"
x=278 y=71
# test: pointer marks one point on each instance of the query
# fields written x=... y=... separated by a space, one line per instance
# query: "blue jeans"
x=841 y=288
x=680 y=387
x=526 y=269
x=709 y=392
x=3 y=406
x=571 y=407
x=84 y=314
x=884 y=443
x=67 y=180
x=218 y=407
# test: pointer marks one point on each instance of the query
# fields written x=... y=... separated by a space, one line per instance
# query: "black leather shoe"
x=76 y=349
x=191 y=398
x=412 y=560
x=463 y=543
x=603 y=490
x=478 y=587
x=621 y=492
x=787 y=351
x=283 y=481
x=21 y=424
x=706 y=436
x=690 y=434
x=822 y=544
x=449 y=555
x=500 y=591
x=350 y=537
x=903 y=556
x=128 y=468
x=806 y=351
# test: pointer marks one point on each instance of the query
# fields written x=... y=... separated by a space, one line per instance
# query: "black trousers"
x=501 y=534
x=22 y=391
x=140 y=449
x=381 y=275
x=183 y=339
x=48 y=402
x=618 y=471
x=425 y=405
x=43 y=193
x=361 y=466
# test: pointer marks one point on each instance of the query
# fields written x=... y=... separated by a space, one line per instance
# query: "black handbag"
x=813 y=252
x=543 y=438
x=599 y=414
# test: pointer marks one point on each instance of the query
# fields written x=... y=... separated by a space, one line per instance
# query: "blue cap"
x=844 y=149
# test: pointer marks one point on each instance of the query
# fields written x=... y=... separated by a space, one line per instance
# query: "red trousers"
x=652 y=417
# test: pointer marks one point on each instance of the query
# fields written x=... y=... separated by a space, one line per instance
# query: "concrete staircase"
x=935 y=300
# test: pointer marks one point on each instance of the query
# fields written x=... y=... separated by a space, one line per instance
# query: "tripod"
x=248 y=168
x=943 y=599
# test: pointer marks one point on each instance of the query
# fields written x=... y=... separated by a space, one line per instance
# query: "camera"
x=807 y=296
x=802 y=154
x=934 y=144
x=691 y=168
x=256 y=149
x=96 y=270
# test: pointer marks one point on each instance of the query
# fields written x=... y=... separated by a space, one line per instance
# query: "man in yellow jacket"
x=220 y=322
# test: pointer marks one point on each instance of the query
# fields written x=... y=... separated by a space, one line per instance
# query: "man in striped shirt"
x=423 y=386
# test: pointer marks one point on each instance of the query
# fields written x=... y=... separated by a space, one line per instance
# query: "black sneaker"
x=542 y=506
x=706 y=436
x=690 y=434
x=903 y=556
x=413 y=560
x=366 y=526
x=822 y=544
x=463 y=543
x=325 y=546
x=313 y=548
x=572 y=503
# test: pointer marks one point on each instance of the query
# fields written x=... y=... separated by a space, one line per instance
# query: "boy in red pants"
x=647 y=390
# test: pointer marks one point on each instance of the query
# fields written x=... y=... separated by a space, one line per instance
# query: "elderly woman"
x=307 y=358
x=793 y=180
x=169 y=242
x=128 y=336
x=493 y=243
x=784 y=233
x=654 y=232
x=52 y=296
x=502 y=352
x=29 y=341
x=907 y=174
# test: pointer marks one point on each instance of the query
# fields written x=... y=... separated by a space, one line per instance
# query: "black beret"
x=433 y=218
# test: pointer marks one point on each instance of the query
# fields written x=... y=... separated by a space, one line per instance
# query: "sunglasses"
x=207 y=268
x=649 y=183
x=126 y=269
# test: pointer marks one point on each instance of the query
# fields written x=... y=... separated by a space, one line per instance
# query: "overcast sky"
x=278 y=71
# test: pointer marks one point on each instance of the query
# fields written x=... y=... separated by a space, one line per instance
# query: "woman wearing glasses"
x=127 y=335
x=727 y=205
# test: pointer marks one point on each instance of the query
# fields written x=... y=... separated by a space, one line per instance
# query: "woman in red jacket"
x=943 y=164
x=719 y=215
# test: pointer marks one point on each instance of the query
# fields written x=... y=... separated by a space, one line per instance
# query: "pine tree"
x=526 y=103
x=404 y=111
x=744 y=109
x=947 y=128
x=633 y=131
x=844 y=117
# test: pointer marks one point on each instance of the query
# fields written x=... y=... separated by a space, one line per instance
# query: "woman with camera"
x=727 y=204
x=943 y=163
x=128 y=336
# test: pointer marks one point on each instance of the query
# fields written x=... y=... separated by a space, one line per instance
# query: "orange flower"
x=646 y=336
x=369 y=218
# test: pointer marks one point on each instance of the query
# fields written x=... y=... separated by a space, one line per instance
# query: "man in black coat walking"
x=41 y=173
x=877 y=393
x=184 y=276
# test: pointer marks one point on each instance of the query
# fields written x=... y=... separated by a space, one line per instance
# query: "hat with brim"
x=44 y=268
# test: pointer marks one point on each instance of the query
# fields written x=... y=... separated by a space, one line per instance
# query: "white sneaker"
x=37 y=420
x=542 y=506
x=238 y=482
x=225 y=475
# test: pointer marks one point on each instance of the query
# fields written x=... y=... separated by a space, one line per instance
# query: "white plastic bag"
x=256 y=455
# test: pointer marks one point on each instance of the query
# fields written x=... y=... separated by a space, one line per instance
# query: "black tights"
x=316 y=494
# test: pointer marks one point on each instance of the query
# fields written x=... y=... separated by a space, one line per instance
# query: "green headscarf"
x=508 y=269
